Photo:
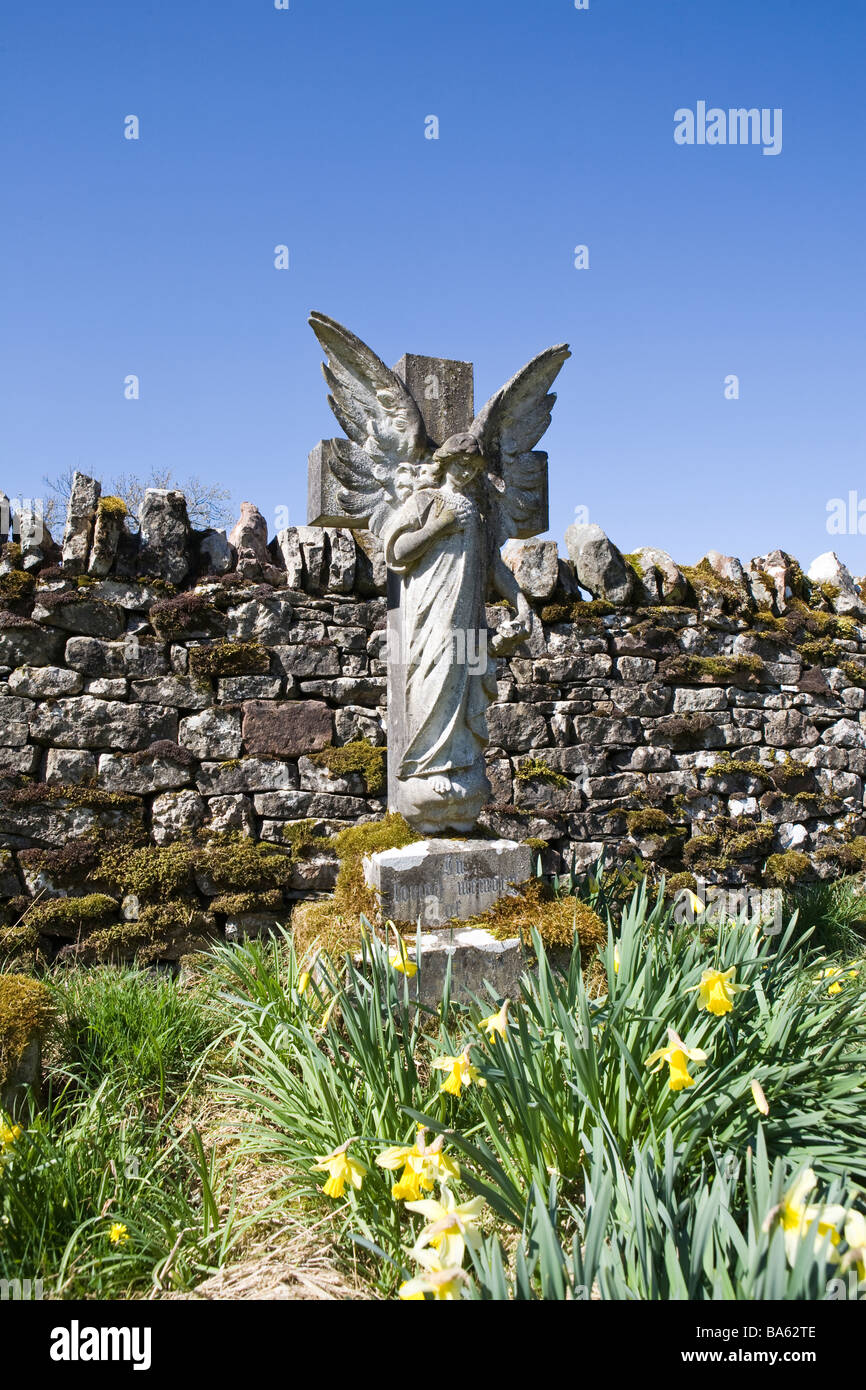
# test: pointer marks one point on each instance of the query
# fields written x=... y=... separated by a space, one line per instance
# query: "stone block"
x=439 y=880
x=479 y=965
x=285 y=729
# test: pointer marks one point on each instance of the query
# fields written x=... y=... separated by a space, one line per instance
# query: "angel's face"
x=462 y=470
x=404 y=481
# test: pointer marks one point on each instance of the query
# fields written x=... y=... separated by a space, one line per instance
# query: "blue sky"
x=306 y=127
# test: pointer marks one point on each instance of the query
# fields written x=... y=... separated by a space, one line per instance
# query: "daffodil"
x=460 y=1071
x=118 y=1234
x=326 y=1016
x=400 y=961
x=8 y=1135
x=341 y=1169
x=423 y=1165
x=451 y=1226
x=758 y=1096
x=717 y=990
x=836 y=977
x=677 y=1055
x=442 y=1281
x=799 y=1220
x=616 y=959
x=696 y=904
x=496 y=1025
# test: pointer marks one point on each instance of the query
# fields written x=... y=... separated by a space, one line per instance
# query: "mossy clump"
x=335 y=922
x=149 y=871
x=303 y=839
x=741 y=670
x=17 y=587
x=71 y=916
x=166 y=751
x=176 y=617
x=26 y=1010
x=706 y=584
x=729 y=841
x=49 y=793
x=234 y=904
x=649 y=821
x=740 y=767
x=821 y=651
x=359 y=756
x=236 y=863
x=69 y=863
x=113 y=508
x=556 y=919
x=229 y=659
x=679 y=883
x=684 y=732
x=786 y=869
x=850 y=857
x=536 y=844
x=18 y=941
x=537 y=770
x=577 y=611
x=854 y=674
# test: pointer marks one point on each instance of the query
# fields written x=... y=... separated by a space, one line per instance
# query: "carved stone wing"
x=370 y=401
x=508 y=428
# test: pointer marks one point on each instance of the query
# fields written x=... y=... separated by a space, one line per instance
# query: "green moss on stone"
x=788 y=868
x=649 y=821
x=233 y=904
x=538 y=770
x=229 y=659
x=69 y=916
x=359 y=756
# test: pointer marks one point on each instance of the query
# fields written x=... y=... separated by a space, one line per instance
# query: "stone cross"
x=444 y=390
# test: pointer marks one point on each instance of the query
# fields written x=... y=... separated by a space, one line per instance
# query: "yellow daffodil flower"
x=837 y=978
x=8 y=1135
x=423 y=1165
x=616 y=959
x=696 y=904
x=341 y=1169
x=303 y=981
x=401 y=963
x=442 y=1281
x=758 y=1095
x=496 y=1024
x=461 y=1073
x=717 y=990
x=798 y=1220
x=677 y=1055
x=326 y=1016
x=118 y=1234
x=451 y=1227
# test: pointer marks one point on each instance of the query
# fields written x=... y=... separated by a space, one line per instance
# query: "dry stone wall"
x=179 y=689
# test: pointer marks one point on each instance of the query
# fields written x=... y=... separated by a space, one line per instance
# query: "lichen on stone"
x=538 y=770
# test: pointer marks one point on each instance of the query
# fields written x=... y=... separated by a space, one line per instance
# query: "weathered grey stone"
x=286 y=548
x=93 y=619
x=22 y=760
x=315 y=554
x=261 y=620
x=726 y=567
x=105 y=688
x=253 y=924
x=598 y=565
x=370 y=570
x=83 y=722
x=479 y=964
x=41 y=682
x=439 y=880
x=516 y=728
x=174 y=814
x=213 y=734
x=315 y=875
x=352 y=723
x=788 y=729
x=662 y=580
x=110 y=514
x=231 y=813
x=792 y=835
x=215 y=553
x=248 y=774
x=165 y=535
x=55 y=823
x=829 y=570
x=305 y=660
x=170 y=690
x=845 y=733
x=341 y=560
x=535 y=566
x=315 y=778
x=301 y=805
x=70 y=767
x=28 y=646
x=119 y=774
x=250 y=534
x=80 y=513
x=286 y=729
x=235 y=689
x=445 y=391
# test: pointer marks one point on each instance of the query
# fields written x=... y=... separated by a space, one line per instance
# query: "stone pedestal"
x=479 y=964
x=438 y=880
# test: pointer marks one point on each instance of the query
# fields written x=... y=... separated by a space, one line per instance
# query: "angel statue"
x=442 y=510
